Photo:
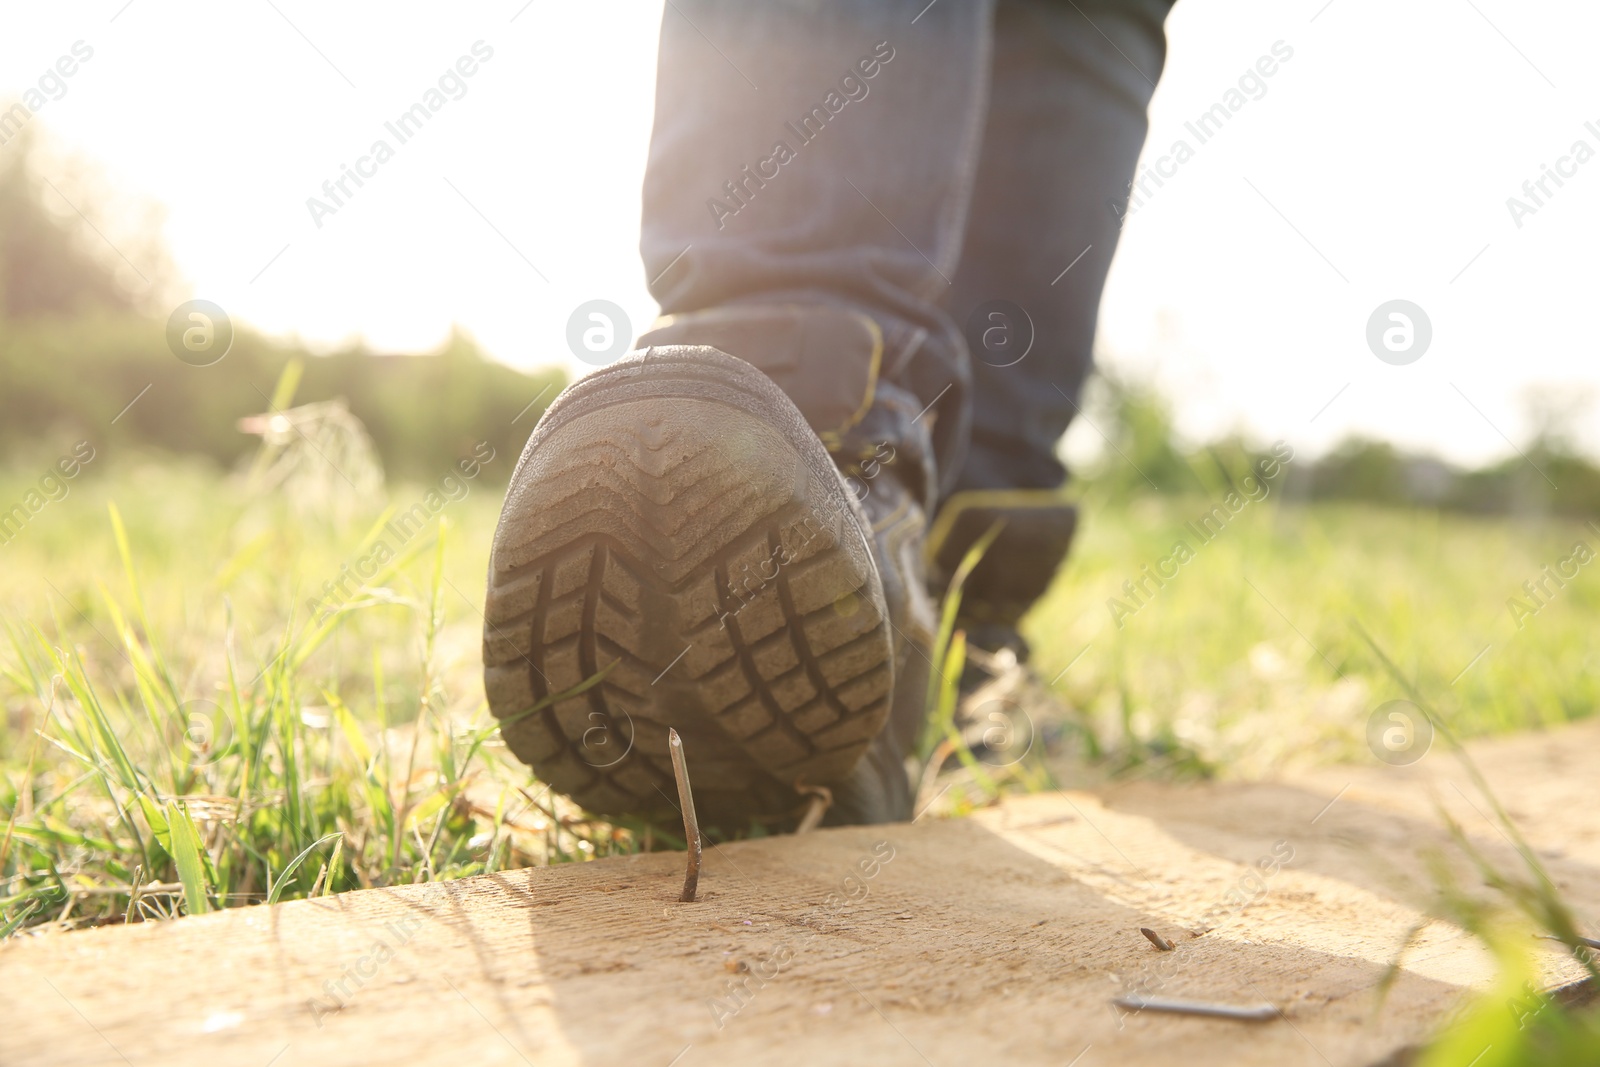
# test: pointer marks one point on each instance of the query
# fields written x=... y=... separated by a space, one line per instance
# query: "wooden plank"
x=999 y=938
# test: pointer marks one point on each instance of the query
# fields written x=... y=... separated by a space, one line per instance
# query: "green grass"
x=177 y=719
x=178 y=678
x=1250 y=659
x=180 y=733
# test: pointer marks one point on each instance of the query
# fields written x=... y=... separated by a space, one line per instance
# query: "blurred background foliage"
x=1144 y=454
x=82 y=333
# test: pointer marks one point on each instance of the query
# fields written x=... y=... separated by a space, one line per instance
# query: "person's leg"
x=1065 y=126
x=805 y=201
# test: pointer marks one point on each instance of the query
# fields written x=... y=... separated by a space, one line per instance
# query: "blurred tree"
x=1361 y=469
x=1142 y=450
x=45 y=266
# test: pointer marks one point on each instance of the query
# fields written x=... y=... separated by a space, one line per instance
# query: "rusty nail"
x=691 y=825
x=1156 y=939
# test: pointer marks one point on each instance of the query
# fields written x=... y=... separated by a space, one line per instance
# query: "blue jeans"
x=902 y=212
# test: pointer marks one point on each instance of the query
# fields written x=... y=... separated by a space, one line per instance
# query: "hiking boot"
x=881 y=788
x=677 y=539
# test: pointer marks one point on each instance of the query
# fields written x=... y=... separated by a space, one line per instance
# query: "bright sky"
x=1376 y=167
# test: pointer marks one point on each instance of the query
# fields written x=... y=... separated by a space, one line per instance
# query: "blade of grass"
x=282 y=397
x=1541 y=901
x=275 y=888
x=121 y=534
x=183 y=843
x=937 y=682
x=11 y=925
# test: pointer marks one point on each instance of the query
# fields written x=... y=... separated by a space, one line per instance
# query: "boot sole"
x=675 y=523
